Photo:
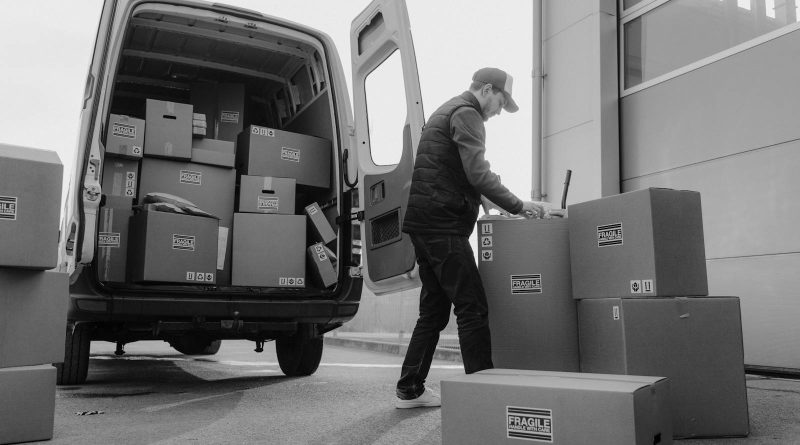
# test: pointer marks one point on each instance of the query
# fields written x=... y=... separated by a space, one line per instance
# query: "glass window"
x=681 y=32
x=386 y=110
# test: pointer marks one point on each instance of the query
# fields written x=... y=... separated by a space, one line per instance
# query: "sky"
x=45 y=48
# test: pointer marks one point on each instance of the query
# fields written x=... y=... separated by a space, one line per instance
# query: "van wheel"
x=299 y=354
x=192 y=345
x=75 y=367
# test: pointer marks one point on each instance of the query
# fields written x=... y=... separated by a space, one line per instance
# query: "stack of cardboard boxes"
x=33 y=299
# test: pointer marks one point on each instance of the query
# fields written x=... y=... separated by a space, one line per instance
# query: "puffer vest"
x=441 y=199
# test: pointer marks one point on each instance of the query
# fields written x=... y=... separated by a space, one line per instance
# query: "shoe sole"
x=401 y=405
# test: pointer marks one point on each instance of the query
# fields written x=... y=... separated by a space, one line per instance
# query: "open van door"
x=383 y=61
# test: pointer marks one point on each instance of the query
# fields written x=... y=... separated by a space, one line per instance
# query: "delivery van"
x=225 y=188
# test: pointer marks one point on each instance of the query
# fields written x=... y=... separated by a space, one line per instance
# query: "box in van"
x=269 y=250
x=258 y=194
x=121 y=177
x=168 y=129
x=213 y=152
x=319 y=225
x=112 y=239
x=125 y=136
x=322 y=264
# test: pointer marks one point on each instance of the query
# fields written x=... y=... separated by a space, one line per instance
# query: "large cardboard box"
x=214 y=152
x=322 y=263
x=223 y=105
x=27 y=410
x=512 y=406
x=319 y=226
x=120 y=177
x=269 y=250
x=169 y=130
x=112 y=239
x=125 y=136
x=258 y=194
x=695 y=342
x=33 y=317
x=265 y=151
x=525 y=269
x=173 y=248
x=643 y=243
x=30 y=205
x=209 y=187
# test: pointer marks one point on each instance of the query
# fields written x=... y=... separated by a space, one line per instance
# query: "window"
x=386 y=110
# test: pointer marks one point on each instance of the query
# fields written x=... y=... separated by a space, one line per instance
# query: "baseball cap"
x=500 y=80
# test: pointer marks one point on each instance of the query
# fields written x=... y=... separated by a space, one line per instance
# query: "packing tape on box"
x=222 y=247
x=267 y=187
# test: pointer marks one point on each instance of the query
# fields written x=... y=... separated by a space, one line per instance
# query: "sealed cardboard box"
x=695 y=342
x=525 y=269
x=511 y=406
x=173 y=248
x=30 y=206
x=213 y=152
x=112 y=239
x=322 y=263
x=28 y=405
x=643 y=243
x=258 y=194
x=269 y=250
x=265 y=151
x=169 y=130
x=230 y=111
x=120 y=177
x=33 y=317
x=204 y=102
x=125 y=136
x=320 y=227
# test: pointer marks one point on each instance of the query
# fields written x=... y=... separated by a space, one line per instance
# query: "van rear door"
x=383 y=60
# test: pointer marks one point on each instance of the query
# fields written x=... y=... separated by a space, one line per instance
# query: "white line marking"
x=156 y=408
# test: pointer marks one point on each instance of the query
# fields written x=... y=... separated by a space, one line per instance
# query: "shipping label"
x=124 y=130
x=262 y=131
x=108 y=239
x=320 y=251
x=486 y=241
x=191 y=177
x=268 y=203
x=609 y=235
x=290 y=154
x=526 y=284
x=312 y=210
x=8 y=208
x=200 y=277
x=487 y=255
x=130 y=184
x=229 y=117
x=636 y=286
x=534 y=424
x=291 y=281
x=183 y=242
x=647 y=286
x=486 y=229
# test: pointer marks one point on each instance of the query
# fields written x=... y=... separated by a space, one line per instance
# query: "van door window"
x=386 y=110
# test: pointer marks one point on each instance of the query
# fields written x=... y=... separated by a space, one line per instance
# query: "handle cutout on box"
x=169 y=116
x=268 y=192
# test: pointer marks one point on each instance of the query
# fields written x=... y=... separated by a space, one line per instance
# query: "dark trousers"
x=449 y=279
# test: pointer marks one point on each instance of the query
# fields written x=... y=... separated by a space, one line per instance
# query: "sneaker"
x=425 y=400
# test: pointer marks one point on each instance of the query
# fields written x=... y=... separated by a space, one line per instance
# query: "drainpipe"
x=537 y=169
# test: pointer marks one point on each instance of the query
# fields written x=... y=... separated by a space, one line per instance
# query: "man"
x=450 y=176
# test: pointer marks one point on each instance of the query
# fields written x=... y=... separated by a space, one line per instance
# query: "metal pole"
x=536 y=101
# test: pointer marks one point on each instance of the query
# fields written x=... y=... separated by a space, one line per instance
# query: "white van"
x=291 y=80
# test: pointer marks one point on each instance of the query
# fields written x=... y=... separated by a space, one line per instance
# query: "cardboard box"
x=33 y=317
x=643 y=243
x=265 y=151
x=322 y=264
x=511 y=406
x=173 y=248
x=525 y=269
x=269 y=250
x=120 y=177
x=695 y=342
x=30 y=206
x=169 y=130
x=230 y=111
x=125 y=136
x=209 y=187
x=28 y=405
x=321 y=229
x=258 y=194
x=112 y=239
x=213 y=152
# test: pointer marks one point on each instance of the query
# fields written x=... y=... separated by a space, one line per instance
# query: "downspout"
x=536 y=110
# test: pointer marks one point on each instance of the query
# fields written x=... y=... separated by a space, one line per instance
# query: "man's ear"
x=487 y=89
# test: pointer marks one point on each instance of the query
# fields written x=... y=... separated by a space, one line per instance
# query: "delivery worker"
x=450 y=175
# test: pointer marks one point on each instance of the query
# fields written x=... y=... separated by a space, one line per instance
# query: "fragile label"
x=268 y=203
x=291 y=281
x=615 y=312
x=533 y=424
x=136 y=150
x=312 y=210
x=647 y=286
x=321 y=255
x=8 y=208
x=487 y=255
x=636 y=286
x=486 y=229
x=229 y=116
x=130 y=184
x=609 y=235
x=183 y=242
x=191 y=177
x=486 y=241
x=290 y=154
x=108 y=239
x=200 y=277
x=262 y=131
x=526 y=284
x=124 y=131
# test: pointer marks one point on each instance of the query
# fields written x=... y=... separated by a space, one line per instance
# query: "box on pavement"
x=169 y=130
x=30 y=205
x=322 y=262
x=525 y=269
x=213 y=152
x=112 y=239
x=120 y=177
x=319 y=226
x=173 y=248
x=211 y=188
x=28 y=405
x=33 y=317
x=695 y=342
x=265 y=151
x=125 y=136
x=269 y=250
x=259 y=194
x=643 y=243
x=511 y=406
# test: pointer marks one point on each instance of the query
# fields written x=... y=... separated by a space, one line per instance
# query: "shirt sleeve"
x=469 y=134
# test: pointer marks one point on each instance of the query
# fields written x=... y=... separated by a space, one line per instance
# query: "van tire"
x=192 y=345
x=74 y=369
x=299 y=355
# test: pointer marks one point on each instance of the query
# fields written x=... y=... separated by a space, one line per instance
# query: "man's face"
x=495 y=102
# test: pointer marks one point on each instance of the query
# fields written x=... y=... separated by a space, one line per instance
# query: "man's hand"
x=531 y=209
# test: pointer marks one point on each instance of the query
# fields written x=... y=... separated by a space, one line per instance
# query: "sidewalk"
x=393 y=343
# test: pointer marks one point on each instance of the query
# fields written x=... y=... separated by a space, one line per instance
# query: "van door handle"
x=87 y=92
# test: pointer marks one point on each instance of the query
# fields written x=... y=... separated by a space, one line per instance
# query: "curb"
x=389 y=347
